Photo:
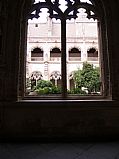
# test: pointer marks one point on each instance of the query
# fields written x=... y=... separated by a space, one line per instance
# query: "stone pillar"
x=29 y=49
x=83 y=52
x=46 y=60
x=67 y=70
x=46 y=50
x=49 y=20
x=68 y=82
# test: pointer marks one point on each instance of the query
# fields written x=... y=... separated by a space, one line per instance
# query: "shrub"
x=88 y=77
x=44 y=83
x=46 y=87
x=76 y=91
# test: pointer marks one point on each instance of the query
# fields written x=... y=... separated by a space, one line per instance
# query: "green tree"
x=44 y=83
x=46 y=87
x=88 y=77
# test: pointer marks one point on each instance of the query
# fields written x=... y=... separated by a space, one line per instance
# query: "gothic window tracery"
x=55 y=77
x=35 y=76
x=66 y=10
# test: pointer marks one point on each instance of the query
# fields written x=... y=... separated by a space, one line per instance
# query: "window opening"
x=31 y=82
x=36 y=25
x=74 y=54
x=55 y=54
x=37 y=54
x=56 y=78
x=65 y=30
x=92 y=54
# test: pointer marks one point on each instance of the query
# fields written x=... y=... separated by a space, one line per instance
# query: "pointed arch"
x=55 y=78
x=37 y=54
x=99 y=9
x=92 y=54
x=75 y=54
x=55 y=54
x=35 y=76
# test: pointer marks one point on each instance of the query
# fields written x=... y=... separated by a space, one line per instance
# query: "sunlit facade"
x=44 y=48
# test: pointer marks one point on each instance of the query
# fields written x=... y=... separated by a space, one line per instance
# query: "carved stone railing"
x=55 y=58
x=74 y=58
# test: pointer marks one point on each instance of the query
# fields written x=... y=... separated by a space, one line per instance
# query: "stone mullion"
x=63 y=58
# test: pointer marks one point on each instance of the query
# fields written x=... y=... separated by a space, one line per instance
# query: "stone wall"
x=53 y=119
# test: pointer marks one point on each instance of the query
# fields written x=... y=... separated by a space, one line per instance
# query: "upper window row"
x=74 y=54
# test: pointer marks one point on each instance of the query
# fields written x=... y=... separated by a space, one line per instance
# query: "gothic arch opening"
x=55 y=78
x=55 y=54
x=92 y=54
x=35 y=77
x=74 y=54
x=37 y=54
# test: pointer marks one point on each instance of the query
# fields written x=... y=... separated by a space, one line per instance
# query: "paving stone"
x=109 y=150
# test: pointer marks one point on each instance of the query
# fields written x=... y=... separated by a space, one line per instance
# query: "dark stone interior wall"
x=81 y=119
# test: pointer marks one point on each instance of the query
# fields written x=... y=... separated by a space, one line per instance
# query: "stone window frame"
x=103 y=48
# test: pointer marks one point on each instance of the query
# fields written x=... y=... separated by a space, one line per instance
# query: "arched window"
x=55 y=54
x=55 y=78
x=92 y=54
x=35 y=76
x=89 y=19
x=74 y=54
x=37 y=54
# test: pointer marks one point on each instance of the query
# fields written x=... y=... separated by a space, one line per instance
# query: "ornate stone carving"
x=55 y=11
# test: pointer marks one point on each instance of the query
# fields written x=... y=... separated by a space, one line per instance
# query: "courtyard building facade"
x=44 y=48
